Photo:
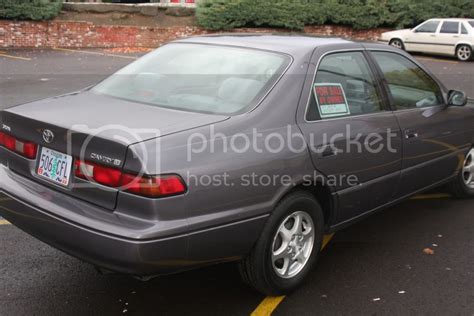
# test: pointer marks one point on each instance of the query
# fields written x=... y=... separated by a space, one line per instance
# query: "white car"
x=453 y=37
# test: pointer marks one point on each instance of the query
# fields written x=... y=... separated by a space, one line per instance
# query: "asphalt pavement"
x=375 y=267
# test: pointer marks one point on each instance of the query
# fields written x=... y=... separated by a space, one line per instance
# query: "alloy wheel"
x=468 y=170
x=293 y=244
x=464 y=53
x=397 y=44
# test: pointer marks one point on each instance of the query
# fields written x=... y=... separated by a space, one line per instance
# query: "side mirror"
x=457 y=98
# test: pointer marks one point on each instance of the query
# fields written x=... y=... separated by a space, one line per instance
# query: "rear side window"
x=463 y=29
x=344 y=86
x=428 y=27
x=410 y=87
x=450 y=28
x=472 y=23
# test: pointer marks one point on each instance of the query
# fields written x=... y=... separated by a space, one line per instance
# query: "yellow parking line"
x=92 y=53
x=4 y=222
x=326 y=240
x=432 y=196
x=270 y=303
x=14 y=57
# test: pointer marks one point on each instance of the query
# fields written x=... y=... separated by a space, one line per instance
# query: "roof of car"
x=289 y=44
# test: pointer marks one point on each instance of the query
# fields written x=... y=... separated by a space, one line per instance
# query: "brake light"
x=158 y=186
x=30 y=150
x=26 y=149
x=9 y=142
x=154 y=187
x=100 y=174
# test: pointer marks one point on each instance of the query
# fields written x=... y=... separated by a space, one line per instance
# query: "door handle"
x=433 y=35
x=410 y=134
x=327 y=151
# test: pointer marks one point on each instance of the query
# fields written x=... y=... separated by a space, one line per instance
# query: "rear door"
x=449 y=35
x=354 y=140
x=434 y=136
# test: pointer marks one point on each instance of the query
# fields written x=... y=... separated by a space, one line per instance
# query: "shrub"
x=408 y=13
x=227 y=14
x=295 y=14
x=30 y=9
x=361 y=14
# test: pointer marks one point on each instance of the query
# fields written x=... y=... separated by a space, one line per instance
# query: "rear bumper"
x=134 y=257
x=113 y=241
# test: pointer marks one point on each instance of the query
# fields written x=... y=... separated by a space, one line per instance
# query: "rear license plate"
x=55 y=166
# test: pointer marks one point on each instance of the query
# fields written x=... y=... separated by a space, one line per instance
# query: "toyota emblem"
x=48 y=136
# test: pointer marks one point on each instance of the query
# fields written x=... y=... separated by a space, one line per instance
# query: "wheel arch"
x=323 y=193
x=463 y=43
x=397 y=38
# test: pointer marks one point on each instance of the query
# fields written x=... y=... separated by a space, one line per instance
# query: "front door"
x=434 y=136
x=354 y=139
x=424 y=38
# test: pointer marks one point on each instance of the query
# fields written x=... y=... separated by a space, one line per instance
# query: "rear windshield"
x=198 y=78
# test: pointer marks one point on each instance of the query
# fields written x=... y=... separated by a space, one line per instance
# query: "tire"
x=463 y=185
x=261 y=270
x=397 y=43
x=464 y=52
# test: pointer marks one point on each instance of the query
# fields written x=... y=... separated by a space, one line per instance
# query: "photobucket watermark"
x=254 y=179
x=291 y=139
x=111 y=145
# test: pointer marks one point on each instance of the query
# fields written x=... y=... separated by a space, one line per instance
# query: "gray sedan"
x=224 y=148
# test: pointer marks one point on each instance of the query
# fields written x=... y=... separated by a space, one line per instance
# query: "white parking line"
x=2 y=54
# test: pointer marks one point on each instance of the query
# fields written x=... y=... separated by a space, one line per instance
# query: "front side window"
x=472 y=23
x=428 y=27
x=198 y=78
x=450 y=28
x=410 y=87
x=344 y=86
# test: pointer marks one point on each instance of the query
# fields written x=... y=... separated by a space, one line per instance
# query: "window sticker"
x=331 y=100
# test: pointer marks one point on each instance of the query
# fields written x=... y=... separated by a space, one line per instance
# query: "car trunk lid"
x=95 y=128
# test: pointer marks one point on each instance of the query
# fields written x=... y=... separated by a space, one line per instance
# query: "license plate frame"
x=54 y=166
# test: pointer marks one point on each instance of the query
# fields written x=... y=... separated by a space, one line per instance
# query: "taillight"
x=26 y=149
x=154 y=187
x=9 y=142
x=29 y=150
x=157 y=186
x=100 y=174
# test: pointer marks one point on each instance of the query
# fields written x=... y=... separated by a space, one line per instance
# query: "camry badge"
x=48 y=136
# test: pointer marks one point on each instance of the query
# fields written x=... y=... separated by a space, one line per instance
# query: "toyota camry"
x=245 y=148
